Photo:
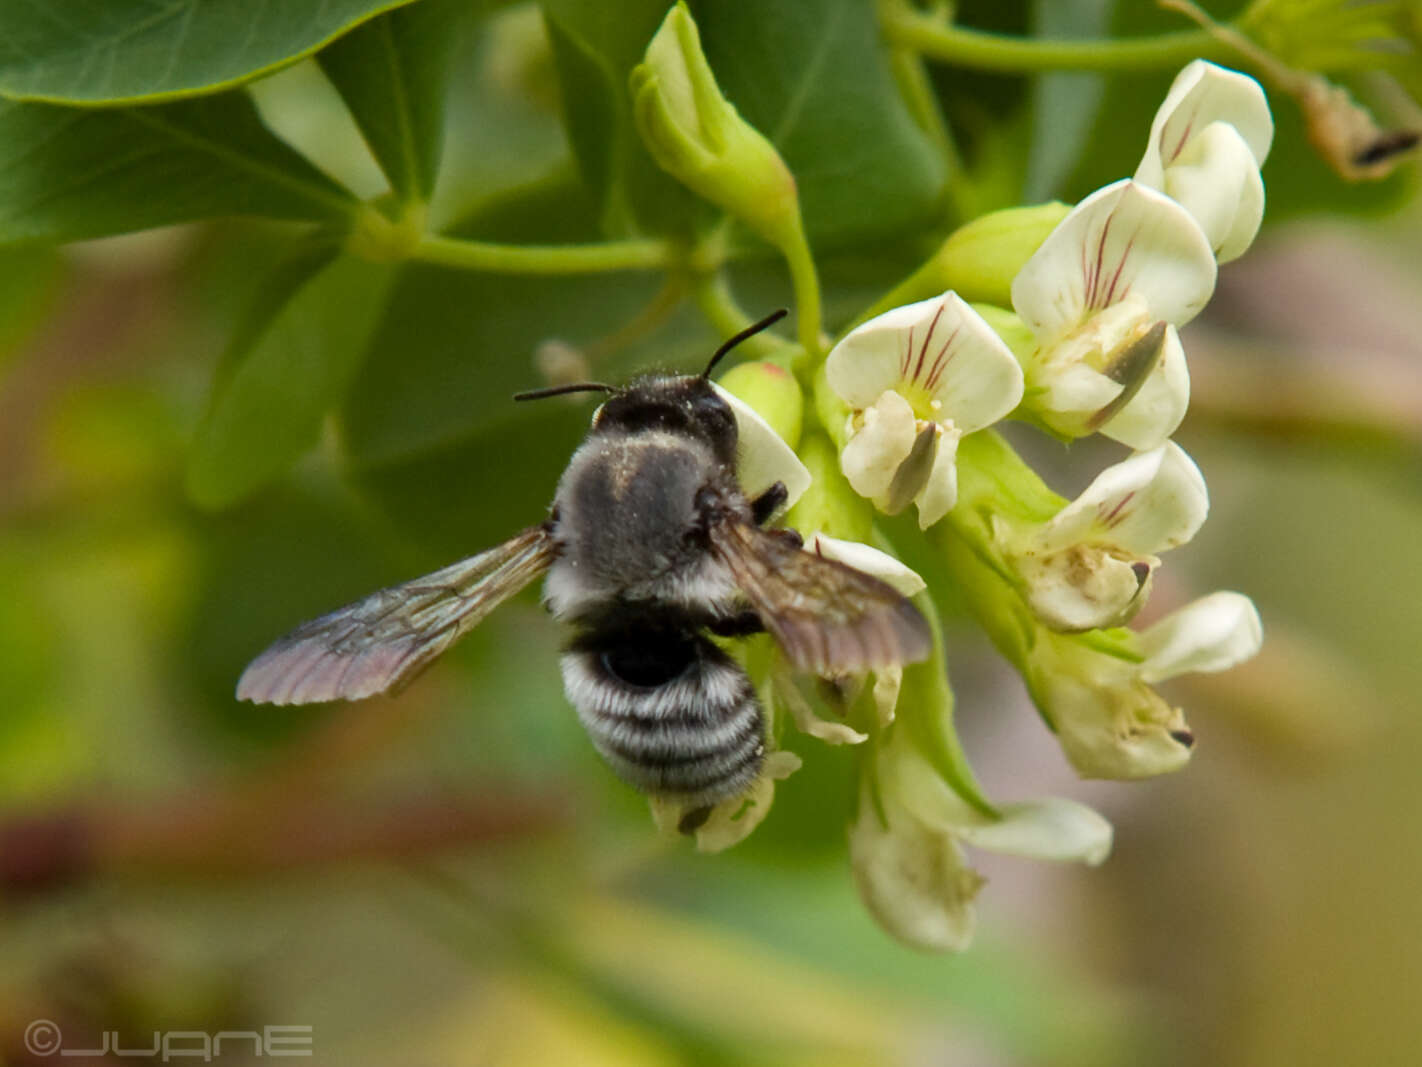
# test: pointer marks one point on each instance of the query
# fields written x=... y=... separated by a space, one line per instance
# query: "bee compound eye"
x=648 y=660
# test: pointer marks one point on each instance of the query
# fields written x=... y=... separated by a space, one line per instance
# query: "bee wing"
x=379 y=643
x=829 y=618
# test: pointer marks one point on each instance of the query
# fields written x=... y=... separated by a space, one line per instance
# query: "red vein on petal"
x=1114 y=517
x=939 y=363
x=1111 y=292
x=923 y=349
x=1100 y=265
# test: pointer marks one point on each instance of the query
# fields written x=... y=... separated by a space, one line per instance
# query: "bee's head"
x=682 y=404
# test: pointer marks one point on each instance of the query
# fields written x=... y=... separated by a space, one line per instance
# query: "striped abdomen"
x=671 y=713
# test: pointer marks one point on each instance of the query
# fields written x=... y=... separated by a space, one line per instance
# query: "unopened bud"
x=696 y=135
x=773 y=392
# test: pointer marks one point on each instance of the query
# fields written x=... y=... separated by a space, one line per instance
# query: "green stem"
x=806 y=284
x=992 y=51
x=545 y=259
x=713 y=296
x=926 y=706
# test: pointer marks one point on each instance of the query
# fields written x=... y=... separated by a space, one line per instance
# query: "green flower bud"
x=773 y=392
x=980 y=259
x=696 y=135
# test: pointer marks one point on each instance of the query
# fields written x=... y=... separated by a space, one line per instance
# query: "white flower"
x=1110 y=722
x=1087 y=567
x=905 y=846
x=762 y=458
x=732 y=820
x=917 y=379
x=1207 y=143
x=887 y=569
x=1103 y=296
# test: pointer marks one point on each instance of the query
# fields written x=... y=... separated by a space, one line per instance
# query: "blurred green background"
x=452 y=877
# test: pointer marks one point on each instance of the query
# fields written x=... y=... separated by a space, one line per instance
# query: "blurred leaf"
x=392 y=73
x=116 y=51
x=267 y=567
x=29 y=284
x=595 y=47
x=68 y=174
x=812 y=76
x=454 y=347
x=1064 y=104
x=288 y=366
x=29 y=650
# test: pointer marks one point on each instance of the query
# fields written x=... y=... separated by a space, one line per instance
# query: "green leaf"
x=1064 y=104
x=429 y=424
x=812 y=76
x=123 y=51
x=595 y=47
x=68 y=174
x=392 y=72
x=288 y=366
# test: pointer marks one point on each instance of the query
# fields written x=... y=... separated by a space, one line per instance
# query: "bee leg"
x=742 y=624
x=694 y=820
x=768 y=503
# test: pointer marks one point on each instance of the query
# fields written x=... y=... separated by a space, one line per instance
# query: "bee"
x=650 y=549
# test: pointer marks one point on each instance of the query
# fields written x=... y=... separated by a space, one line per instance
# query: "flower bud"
x=980 y=259
x=696 y=135
x=773 y=392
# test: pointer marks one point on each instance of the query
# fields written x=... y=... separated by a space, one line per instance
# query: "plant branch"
x=997 y=52
x=545 y=259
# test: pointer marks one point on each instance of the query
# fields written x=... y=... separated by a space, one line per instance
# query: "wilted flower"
x=1110 y=722
x=1207 y=143
x=906 y=845
x=887 y=569
x=1103 y=296
x=1088 y=566
x=917 y=379
x=731 y=821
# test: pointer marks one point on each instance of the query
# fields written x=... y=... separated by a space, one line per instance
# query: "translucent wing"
x=381 y=642
x=830 y=619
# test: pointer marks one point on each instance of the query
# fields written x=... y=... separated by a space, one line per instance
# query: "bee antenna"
x=750 y=331
x=559 y=390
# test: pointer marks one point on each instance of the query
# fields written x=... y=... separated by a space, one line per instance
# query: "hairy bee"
x=650 y=547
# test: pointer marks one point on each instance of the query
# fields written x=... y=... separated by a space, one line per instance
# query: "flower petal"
x=1047 y=829
x=887 y=684
x=1110 y=724
x=870 y=560
x=1084 y=588
x=1125 y=239
x=1209 y=634
x=1217 y=180
x=731 y=821
x=972 y=375
x=1201 y=94
x=941 y=492
x=788 y=696
x=762 y=458
x=913 y=878
x=874 y=453
x=875 y=355
x=1146 y=504
x=1158 y=408
x=940 y=353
